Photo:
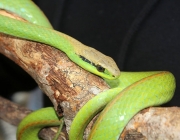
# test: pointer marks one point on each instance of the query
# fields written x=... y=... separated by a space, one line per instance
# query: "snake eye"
x=100 y=68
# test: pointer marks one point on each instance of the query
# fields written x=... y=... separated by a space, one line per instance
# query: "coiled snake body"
x=129 y=93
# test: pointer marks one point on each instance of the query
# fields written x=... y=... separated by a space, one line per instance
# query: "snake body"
x=129 y=93
x=30 y=126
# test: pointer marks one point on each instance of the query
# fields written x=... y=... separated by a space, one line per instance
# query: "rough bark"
x=68 y=86
x=155 y=123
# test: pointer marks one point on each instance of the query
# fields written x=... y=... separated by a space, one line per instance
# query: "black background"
x=141 y=35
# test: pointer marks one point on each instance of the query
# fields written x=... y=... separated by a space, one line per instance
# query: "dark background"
x=141 y=35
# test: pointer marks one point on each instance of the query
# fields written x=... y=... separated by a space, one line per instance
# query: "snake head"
x=102 y=62
x=104 y=66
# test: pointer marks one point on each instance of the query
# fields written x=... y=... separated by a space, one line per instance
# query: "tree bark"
x=69 y=87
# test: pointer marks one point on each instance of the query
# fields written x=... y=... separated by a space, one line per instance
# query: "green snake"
x=129 y=93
